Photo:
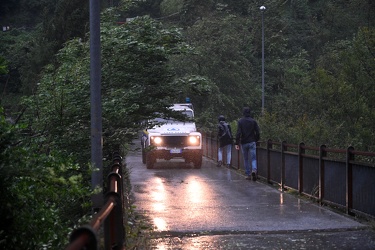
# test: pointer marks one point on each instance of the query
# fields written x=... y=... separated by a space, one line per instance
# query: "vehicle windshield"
x=158 y=120
x=188 y=113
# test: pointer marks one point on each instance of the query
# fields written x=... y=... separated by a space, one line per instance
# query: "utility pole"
x=262 y=9
x=96 y=105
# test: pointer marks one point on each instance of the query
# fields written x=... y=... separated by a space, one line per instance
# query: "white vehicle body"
x=173 y=139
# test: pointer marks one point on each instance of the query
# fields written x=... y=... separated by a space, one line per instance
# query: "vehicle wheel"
x=150 y=160
x=197 y=161
x=143 y=156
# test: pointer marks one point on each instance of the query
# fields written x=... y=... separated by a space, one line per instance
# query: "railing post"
x=238 y=152
x=349 y=180
x=113 y=225
x=269 y=146
x=83 y=237
x=301 y=152
x=283 y=149
x=214 y=152
x=209 y=144
x=117 y=166
x=206 y=139
x=216 y=155
x=212 y=148
x=322 y=154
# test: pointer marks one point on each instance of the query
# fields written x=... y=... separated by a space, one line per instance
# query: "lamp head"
x=262 y=8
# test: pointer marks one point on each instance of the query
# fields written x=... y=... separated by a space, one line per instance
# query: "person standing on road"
x=247 y=136
x=225 y=138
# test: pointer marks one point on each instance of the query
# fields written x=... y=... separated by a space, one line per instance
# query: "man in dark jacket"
x=247 y=136
x=225 y=138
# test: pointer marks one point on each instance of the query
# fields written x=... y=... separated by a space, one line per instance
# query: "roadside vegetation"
x=319 y=88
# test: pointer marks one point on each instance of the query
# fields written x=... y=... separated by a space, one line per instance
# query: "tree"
x=330 y=104
x=136 y=83
x=345 y=74
x=223 y=53
x=42 y=196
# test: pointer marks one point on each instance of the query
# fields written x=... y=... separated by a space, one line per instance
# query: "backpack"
x=226 y=134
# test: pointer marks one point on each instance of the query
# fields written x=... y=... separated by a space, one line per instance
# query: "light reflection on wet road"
x=217 y=206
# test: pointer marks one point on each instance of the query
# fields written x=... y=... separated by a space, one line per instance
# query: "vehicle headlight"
x=157 y=140
x=194 y=140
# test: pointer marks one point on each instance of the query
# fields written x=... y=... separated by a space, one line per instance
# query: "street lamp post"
x=262 y=9
x=96 y=109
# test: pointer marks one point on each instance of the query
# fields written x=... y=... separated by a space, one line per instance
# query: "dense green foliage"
x=319 y=75
x=319 y=67
x=333 y=103
x=42 y=196
x=134 y=62
x=303 y=39
x=38 y=30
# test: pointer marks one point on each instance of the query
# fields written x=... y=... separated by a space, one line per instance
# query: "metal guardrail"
x=110 y=217
x=334 y=177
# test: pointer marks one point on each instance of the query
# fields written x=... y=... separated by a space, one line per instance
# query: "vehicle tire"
x=143 y=156
x=150 y=160
x=197 y=161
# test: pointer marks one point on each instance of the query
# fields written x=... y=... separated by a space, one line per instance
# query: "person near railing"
x=247 y=136
x=225 y=138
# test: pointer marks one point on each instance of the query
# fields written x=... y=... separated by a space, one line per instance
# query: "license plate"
x=176 y=151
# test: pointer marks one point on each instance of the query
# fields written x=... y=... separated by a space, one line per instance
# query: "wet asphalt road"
x=216 y=208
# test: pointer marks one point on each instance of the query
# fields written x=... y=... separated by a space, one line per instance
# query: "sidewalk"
x=285 y=221
x=234 y=213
